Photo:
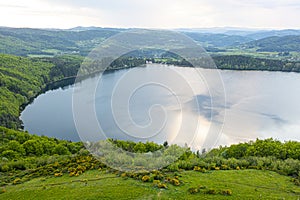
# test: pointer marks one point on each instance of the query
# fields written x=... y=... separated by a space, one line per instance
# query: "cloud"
x=151 y=14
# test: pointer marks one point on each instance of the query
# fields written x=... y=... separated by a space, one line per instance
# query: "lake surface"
x=258 y=105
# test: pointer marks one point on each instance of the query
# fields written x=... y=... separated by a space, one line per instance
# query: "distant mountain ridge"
x=276 y=44
x=25 y=41
x=218 y=40
x=279 y=33
x=81 y=40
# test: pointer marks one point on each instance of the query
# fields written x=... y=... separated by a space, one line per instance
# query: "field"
x=93 y=184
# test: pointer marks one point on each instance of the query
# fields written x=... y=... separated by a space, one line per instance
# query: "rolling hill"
x=26 y=41
x=277 y=44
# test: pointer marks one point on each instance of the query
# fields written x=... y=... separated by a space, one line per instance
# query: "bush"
x=196 y=168
x=145 y=178
x=226 y=192
x=61 y=150
x=4 y=168
x=296 y=181
x=2 y=190
x=291 y=167
x=58 y=174
x=173 y=167
x=18 y=165
x=17 y=181
x=175 y=182
x=10 y=154
x=224 y=167
x=33 y=147
x=210 y=191
x=156 y=182
x=162 y=185
x=193 y=190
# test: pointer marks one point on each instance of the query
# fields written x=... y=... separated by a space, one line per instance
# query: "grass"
x=244 y=184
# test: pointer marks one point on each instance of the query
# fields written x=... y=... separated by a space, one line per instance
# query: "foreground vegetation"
x=33 y=166
x=96 y=184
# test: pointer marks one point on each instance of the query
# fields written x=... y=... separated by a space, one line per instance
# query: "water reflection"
x=258 y=104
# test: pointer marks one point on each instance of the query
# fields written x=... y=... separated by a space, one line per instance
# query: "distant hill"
x=276 y=44
x=218 y=40
x=24 y=41
x=264 y=34
x=81 y=40
x=254 y=34
x=89 y=28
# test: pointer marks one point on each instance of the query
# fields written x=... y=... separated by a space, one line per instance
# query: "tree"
x=140 y=148
x=33 y=147
x=166 y=145
x=10 y=154
x=16 y=146
x=60 y=149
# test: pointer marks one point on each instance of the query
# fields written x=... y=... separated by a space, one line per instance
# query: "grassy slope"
x=245 y=184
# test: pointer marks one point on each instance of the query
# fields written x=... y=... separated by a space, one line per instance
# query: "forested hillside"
x=25 y=41
x=24 y=78
x=276 y=44
x=240 y=62
x=218 y=40
x=21 y=79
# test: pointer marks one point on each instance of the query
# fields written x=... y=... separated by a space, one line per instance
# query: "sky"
x=169 y=14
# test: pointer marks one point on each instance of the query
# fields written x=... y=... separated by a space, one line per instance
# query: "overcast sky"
x=274 y=14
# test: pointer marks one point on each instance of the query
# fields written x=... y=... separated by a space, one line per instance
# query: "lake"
x=258 y=104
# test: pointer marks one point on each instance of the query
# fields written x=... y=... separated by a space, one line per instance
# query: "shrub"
x=201 y=187
x=17 y=181
x=175 y=182
x=158 y=177
x=2 y=190
x=162 y=185
x=72 y=174
x=10 y=154
x=232 y=163
x=33 y=147
x=212 y=166
x=60 y=149
x=196 y=168
x=156 y=182
x=4 y=168
x=145 y=178
x=203 y=170
x=58 y=174
x=296 y=181
x=224 y=167
x=202 y=164
x=243 y=163
x=226 y=192
x=173 y=167
x=193 y=190
x=210 y=191
x=183 y=164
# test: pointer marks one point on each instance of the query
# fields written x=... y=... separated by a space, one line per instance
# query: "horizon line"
x=182 y=28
